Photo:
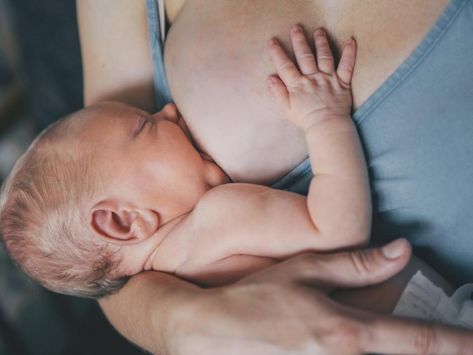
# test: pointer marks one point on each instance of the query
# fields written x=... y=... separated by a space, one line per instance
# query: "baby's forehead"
x=99 y=117
x=101 y=125
x=114 y=109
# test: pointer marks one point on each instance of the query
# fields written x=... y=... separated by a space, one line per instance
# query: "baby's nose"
x=170 y=109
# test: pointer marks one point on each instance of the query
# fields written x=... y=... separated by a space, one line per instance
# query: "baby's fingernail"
x=394 y=249
x=319 y=32
x=296 y=29
x=272 y=42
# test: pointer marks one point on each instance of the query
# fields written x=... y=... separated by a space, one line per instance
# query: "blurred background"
x=40 y=81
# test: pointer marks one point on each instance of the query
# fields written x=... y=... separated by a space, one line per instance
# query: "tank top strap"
x=156 y=32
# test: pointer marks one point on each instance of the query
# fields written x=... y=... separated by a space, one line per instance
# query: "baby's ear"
x=121 y=223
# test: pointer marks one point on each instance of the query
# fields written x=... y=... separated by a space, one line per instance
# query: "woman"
x=214 y=62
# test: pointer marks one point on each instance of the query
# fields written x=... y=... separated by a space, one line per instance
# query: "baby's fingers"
x=279 y=92
x=285 y=67
x=325 y=59
x=347 y=63
x=305 y=57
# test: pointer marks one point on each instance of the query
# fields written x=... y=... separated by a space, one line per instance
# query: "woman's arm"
x=116 y=57
x=283 y=309
x=145 y=310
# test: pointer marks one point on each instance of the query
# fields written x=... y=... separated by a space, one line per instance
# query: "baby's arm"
x=317 y=98
x=256 y=221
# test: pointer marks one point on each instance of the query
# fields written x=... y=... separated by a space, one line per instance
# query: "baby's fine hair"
x=44 y=221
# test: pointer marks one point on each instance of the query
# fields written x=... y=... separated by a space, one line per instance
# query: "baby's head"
x=81 y=209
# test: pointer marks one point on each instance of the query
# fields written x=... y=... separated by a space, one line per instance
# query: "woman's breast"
x=216 y=64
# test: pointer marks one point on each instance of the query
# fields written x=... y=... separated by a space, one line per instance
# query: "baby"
x=111 y=191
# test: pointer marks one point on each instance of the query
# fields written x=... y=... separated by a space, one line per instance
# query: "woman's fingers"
x=378 y=334
x=347 y=63
x=304 y=56
x=325 y=59
x=390 y=335
x=341 y=270
x=356 y=268
x=285 y=67
x=289 y=294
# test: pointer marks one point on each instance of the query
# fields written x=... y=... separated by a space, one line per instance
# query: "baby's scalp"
x=43 y=215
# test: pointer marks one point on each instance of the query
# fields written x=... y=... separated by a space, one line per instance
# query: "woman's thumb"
x=357 y=268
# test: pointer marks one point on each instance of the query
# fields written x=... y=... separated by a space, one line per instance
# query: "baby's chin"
x=215 y=175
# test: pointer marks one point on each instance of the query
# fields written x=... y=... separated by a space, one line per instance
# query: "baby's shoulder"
x=233 y=193
x=239 y=202
x=225 y=204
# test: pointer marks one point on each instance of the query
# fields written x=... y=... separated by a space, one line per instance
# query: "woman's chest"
x=217 y=64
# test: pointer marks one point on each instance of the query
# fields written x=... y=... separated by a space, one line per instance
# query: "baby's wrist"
x=328 y=124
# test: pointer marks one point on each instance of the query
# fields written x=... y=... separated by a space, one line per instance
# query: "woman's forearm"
x=116 y=56
x=144 y=310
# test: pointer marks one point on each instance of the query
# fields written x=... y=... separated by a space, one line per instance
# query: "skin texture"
x=158 y=311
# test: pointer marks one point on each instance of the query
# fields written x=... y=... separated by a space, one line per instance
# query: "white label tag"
x=422 y=299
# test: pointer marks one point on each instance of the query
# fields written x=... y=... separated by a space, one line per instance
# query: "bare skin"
x=158 y=311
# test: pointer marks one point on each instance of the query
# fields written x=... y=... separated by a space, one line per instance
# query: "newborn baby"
x=111 y=191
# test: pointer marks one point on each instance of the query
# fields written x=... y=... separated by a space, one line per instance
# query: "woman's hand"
x=285 y=310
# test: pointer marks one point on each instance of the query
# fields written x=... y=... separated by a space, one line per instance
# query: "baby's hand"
x=312 y=92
